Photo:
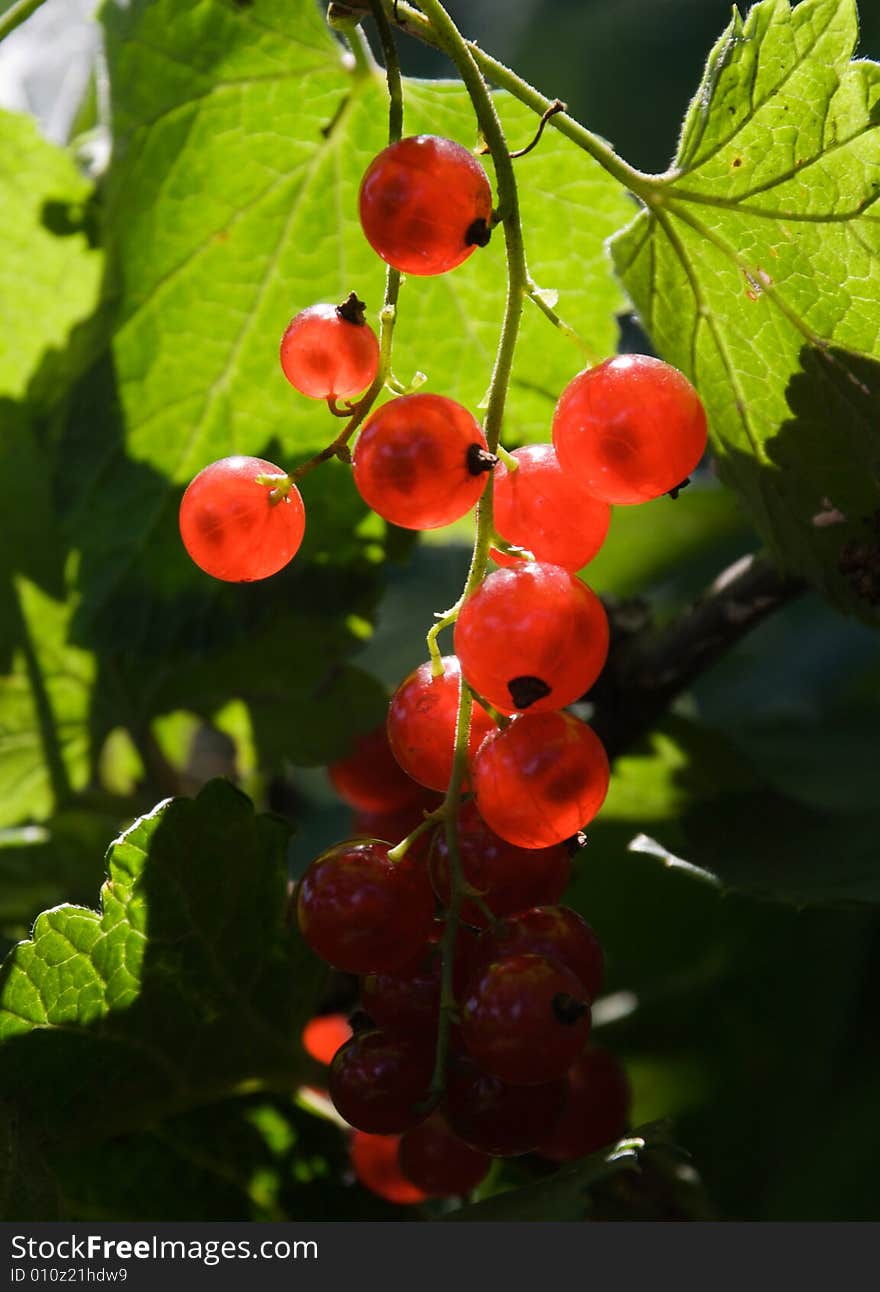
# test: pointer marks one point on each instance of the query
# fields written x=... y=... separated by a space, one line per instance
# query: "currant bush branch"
x=17 y=14
x=648 y=669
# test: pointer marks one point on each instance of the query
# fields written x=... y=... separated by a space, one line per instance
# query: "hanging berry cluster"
x=476 y=986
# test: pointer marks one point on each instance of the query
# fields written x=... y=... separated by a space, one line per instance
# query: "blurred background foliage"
x=750 y=1021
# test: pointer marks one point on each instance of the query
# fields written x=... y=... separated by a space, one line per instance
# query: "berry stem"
x=539 y=299
x=507 y=458
x=16 y=15
x=392 y=72
x=400 y=849
x=425 y=28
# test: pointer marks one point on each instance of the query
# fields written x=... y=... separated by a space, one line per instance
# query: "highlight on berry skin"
x=330 y=351
x=425 y=205
x=241 y=519
x=631 y=429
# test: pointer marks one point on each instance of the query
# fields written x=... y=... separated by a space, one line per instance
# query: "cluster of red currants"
x=529 y=641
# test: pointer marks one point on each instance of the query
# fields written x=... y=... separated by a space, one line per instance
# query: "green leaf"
x=755 y=267
x=565 y=1194
x=185 y=988
x=694 y=803
x=50 y=275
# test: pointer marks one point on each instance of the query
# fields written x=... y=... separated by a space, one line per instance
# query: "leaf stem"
x=17 y=14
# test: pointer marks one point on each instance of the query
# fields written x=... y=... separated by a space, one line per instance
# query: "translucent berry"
x=376 y=1163
x=556 y=932
x=494 y=1117
x=421 y=723
x=631 y=429
x=370 y=778
x=525 y=1019
x=436 y=1160
x=425 y=204
x=595 y=1110
x=508 y=878
x=379 y=1079
x=532 y=637
x=360 y=911
x=547 y=510
x=324 y=1035
x=408 y=1000
x=394 y=826
x=541 y=779
x=421 y=461
x=330 y=351
x=237 y=529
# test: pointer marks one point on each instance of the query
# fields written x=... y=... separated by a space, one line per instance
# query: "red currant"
x=541 y=779
x=324 y=1035
x=376 y=1162
x=494 y=1117
x=329 y=352
x=547 y=510
x=507 y=878
x=556 y=932
x=408 y=1000
x=425 y=204
x=595 y=1110
x=233 y=527
x=371 y=779
x=533 y=637
x=436 y=1160
x=379 y=1079
x=525 y=1019
x=421 y=723
x=631 y=429
x=421 y=461
x=360 y=911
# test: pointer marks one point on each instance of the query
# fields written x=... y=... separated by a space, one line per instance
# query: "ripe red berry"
x=421 y=461
x=541 y=779
x=425 y=204
x=233 y=527
x=525 y=1019
x=507 y=877
x=532 y=637
x=371 y=779
x=360 y=911
x=379 y=1079
x=329 y=351
x=494 y=1117
x=436 y=1160
x=392 y=827
x=408 y=1000
x=324 y=1035
x=595 y=1110
x=376 y=1162
x=631 y=429
x=421 y=723
x=547 y=510
x=556 y=932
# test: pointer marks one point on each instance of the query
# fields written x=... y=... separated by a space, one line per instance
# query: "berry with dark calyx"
x=371 y=779
x=437 y=1161
x=414 y=462
x=376 y=1163
x=532 y=637
x=330 y=352
x=525 y=1019
x=595 y=1111
x=541 y=779
x=547 y=510
x=236 y=528
x=324 y=1035
x=380 y=1080
x=631 y=429
x=508 y=878
x=360 y=911
x=556 y=932
x=421 y=723
x=497 y=1118
x=425 y=205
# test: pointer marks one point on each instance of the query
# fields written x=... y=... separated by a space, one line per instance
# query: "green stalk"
x=16 y=15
